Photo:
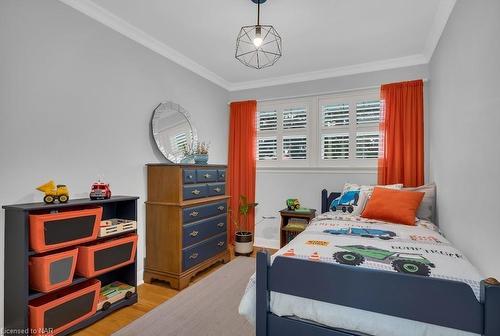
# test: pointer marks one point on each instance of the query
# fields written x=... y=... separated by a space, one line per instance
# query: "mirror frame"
x=157 y=114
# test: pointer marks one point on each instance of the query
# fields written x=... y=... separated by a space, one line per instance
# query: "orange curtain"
x=241 y=161
x=402 y=134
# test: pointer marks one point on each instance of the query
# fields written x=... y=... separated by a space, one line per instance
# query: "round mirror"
x=173 y=131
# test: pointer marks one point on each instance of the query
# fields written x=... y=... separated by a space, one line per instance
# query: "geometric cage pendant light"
x=258 y=46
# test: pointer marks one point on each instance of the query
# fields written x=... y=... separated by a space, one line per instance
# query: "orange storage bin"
x=102 y=257
x=55 y=312
x=48 y=272
x=57 y=230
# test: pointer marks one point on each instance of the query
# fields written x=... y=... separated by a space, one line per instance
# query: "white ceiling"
x=321 y=38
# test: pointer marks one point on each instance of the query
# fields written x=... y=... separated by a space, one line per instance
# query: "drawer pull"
x=190 y=177
x=222 y=175
x=195 y=192
x=193 y=256
x=206 y=176
x=194 y=234
x=220 y=208
x=221 y=243
x=217 y=189
x=220 y=225
x=194 y=214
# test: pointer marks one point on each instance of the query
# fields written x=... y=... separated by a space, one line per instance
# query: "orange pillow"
x=395 y=206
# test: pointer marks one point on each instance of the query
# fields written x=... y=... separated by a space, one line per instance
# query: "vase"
x=201 y=159
x=243 y=244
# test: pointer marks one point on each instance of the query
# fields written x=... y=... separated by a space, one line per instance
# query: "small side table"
x=286 y=215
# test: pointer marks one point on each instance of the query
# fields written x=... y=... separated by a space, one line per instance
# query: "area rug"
x=207 y=308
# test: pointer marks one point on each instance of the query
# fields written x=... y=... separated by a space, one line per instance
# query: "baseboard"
x=266 y=243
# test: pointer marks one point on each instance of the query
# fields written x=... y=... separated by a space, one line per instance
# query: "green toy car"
x=409 y=263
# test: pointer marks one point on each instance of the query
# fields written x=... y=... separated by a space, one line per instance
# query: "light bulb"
x=257 y=41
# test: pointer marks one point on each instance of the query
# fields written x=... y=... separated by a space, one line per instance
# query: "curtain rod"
x=425 y=80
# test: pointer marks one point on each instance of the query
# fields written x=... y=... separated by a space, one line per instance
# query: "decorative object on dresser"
x=200 y=153
x=186 y=221
x=55 y=263
x=173 y=132
x=294 y=222
x=243 y=242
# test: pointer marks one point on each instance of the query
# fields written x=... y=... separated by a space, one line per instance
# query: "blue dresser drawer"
x=206 y=175
x=200 y=252
x=199 y=212
x=221 y=175
x=201 y=230
x=195 y=191
x=216 y=189
x=189 y=176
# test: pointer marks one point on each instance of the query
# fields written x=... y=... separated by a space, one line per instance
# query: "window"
x=331 y=130
x=267 y=121
x=283 y=132
x=367 y=145
x=335 y=146
x=295 y=147
x=266 y=149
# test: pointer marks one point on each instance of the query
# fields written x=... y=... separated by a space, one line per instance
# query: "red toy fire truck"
x=100 y=191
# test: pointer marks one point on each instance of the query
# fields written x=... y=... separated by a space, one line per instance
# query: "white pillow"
x=354 y=197
x=428 y=204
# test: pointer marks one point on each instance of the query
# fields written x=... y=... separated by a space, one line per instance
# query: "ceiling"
x=321 y=38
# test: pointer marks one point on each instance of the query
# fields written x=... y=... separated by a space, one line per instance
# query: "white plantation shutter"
x=295 y=147
x=335 y=115
x=367 y=145
x=267 y=120
x=368 y=112
x=340 y=129
x=267 y=148
x=335 y=146
x=294 y=118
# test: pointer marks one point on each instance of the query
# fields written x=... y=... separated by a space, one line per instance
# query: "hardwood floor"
x=150 y=296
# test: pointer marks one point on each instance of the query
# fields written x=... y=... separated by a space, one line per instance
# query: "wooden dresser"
x=186 y=221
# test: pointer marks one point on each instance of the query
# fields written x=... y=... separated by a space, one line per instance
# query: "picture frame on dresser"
x=186 y=221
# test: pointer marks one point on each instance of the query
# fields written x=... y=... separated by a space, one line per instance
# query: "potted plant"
x=200 y=153
x=243 y=239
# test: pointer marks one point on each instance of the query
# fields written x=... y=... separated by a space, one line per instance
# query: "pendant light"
x=258 y=46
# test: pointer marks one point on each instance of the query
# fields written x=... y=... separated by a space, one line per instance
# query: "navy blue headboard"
x=326 y=199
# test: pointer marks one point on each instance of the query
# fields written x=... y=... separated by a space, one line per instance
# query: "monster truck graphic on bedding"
x=410 y=263
x=366 y=233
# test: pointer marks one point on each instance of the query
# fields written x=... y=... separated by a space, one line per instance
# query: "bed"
x=368 y=286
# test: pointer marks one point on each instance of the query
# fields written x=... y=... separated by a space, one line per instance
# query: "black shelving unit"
x=17 y=293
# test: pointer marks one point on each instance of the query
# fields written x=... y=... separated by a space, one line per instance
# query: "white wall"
x=76 y=100
x=274 y=187
x=464 y=131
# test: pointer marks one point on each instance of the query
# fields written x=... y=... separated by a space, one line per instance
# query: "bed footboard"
x=436 y=301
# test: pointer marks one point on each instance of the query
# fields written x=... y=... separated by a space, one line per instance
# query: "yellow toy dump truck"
x=54 y=192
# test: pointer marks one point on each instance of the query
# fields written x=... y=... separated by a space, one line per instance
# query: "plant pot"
x=243 y=244
x=201 y=159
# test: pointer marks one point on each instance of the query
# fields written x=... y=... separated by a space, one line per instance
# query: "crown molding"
x=121 y=26
x=441 y=17
x=331 y=73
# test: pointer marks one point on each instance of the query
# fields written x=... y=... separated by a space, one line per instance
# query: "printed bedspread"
x=351 y=240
